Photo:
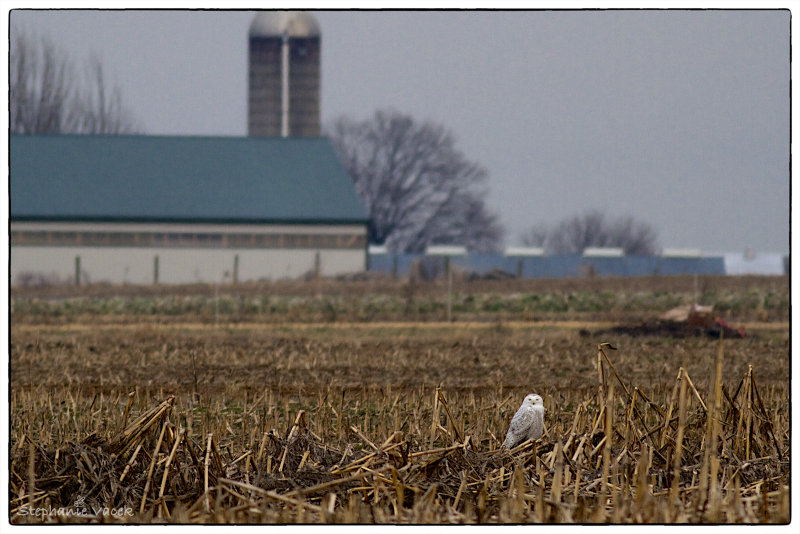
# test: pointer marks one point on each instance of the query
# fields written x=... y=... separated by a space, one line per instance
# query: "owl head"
x=533 y=399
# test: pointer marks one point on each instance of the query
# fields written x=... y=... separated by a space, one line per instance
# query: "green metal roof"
x=188 y=179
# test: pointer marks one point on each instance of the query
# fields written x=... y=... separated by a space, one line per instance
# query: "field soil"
x=358 y=402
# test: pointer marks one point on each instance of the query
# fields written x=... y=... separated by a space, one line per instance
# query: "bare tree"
x=637 y=238
x=591 y=229
x=39 y=87
x=46 y=96
x=102 y=111
x=417 y=187
x=535 y=236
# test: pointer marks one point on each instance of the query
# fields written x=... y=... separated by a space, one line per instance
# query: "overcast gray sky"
x=678 y=118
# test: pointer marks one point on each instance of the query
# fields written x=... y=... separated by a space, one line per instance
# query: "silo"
x=284 y=74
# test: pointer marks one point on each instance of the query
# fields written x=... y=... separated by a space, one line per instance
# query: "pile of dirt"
x=670 y=328
x=492 y=274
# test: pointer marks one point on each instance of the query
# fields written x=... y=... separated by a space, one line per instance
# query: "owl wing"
x=519 y=428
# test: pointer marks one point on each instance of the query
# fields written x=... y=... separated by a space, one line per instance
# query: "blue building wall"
x=558 y=266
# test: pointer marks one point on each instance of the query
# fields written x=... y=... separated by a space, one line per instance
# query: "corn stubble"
x=615 y=453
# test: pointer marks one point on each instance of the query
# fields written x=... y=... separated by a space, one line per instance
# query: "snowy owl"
x=527 y=423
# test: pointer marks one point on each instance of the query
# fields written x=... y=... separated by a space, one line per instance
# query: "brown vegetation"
x=394 y=424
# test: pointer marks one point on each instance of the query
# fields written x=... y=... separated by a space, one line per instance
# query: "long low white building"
x=142 y=209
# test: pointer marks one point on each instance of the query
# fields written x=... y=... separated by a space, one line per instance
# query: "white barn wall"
x=135 y=265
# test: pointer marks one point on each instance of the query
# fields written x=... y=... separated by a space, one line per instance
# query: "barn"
x=171 y=209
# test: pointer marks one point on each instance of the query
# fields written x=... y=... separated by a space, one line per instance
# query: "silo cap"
x=275 y=23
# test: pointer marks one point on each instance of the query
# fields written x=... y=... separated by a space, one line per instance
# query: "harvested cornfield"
x=214 y=411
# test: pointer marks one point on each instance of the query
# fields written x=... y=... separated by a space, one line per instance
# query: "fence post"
x=449 y=288
x=236 y=269
x=155 y=270
x=77 y=270
x=317 y=265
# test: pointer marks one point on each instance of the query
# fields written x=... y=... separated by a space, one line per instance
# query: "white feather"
x=527 y=423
